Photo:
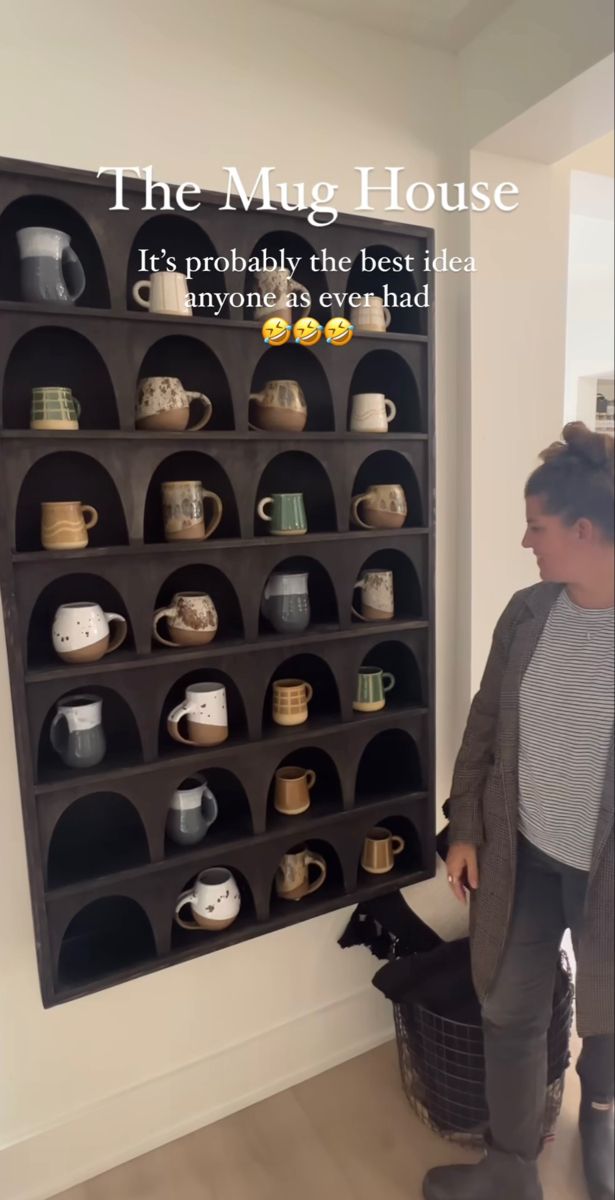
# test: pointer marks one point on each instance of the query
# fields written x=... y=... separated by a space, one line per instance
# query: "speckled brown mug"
x=164 y=404
x=191 y=619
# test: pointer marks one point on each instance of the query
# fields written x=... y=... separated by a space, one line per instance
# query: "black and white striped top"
x=565 y=728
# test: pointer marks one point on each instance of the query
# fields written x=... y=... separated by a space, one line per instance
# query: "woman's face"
x=558 y=547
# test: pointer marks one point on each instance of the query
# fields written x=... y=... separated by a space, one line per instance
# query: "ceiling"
x=443 y=24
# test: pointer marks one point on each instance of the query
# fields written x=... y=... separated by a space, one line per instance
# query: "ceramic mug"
x=371 y=316
x=51 y=272
x=54 y=408
x=286 y=601
x=81 y=633
x=192 y=812
x=287 y=516
x=205 y=708
x=278 y=283
x=371 y=412
x=167 y=292
x=385 y=507
x=183 y=511
x=76 y=731
x=191 y=619
x=380 y=849
x=292 y=878
x=214 y=899
x=163 y=403
x=377 y=603
x=372 y=685
x=292 y=790
x=63 y=524
x=280 y=405
x=290 y=701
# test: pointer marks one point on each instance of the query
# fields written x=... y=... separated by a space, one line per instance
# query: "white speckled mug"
x=215 y=900
x=80 y=632
x=205 y=709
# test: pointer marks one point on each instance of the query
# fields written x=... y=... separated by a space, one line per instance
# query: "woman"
x=531 y=829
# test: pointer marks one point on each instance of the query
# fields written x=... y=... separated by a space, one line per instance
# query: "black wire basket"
x=443 y=1066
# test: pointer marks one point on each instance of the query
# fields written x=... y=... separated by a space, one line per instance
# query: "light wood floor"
x=345 y=1135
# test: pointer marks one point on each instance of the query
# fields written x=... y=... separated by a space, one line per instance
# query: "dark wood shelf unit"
x=104 y=878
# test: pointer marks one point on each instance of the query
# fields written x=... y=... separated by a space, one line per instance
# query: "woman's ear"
x=586 y=530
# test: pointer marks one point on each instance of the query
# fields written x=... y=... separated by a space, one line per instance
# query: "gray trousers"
x=549 y=899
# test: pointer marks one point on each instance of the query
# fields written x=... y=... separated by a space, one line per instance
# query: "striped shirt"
x=565 y=729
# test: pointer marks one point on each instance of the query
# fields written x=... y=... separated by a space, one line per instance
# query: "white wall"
x=191 y=88
x=533 y=48
x=518 y=347
x=591 y=281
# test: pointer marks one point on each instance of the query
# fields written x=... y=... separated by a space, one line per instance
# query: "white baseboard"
x=133 y=1122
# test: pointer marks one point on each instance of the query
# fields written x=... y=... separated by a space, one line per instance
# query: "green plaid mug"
x=54 y=408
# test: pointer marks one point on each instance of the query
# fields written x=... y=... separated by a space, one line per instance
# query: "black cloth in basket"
x=440 y=1040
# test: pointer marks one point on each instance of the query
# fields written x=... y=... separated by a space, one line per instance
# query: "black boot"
x=598 y=1145
x=498 y=1176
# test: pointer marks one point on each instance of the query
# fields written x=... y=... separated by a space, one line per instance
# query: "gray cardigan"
x=483 y=810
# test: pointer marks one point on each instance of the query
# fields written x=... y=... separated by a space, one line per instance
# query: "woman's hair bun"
x=593 y=449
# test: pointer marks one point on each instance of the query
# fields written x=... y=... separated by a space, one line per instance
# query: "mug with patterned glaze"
x=191 y=619
x=292 y=878
x=383 y=505
x=183 y=511
x=163 y=404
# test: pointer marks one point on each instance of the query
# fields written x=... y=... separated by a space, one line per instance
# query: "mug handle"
x=260 y=508
x=310 y=779
x=183 y=899
x=120 y=633
x=158 y=615
x=77 y=406
x=207 y=405
x=388 y=681
x=390 y=409
x=387 y=316
x=217 y=517
x=359 y=584
x=255 y=396
x=318 y=861
x=173 y=719
x=295 y=286
x=53 y=738
x=397 y=844
x=88 y=508
x=74 y=270
x=136 y=292
x=309 y=692
x=354 y=511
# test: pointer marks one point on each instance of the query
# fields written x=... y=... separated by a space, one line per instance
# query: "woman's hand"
x=462 y=867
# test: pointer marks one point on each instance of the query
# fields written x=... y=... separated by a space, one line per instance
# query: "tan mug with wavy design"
x=65 y=524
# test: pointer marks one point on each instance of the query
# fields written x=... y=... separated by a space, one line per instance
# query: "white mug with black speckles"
x=206 y=713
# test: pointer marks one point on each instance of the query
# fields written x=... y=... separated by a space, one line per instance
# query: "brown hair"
x=576 y=477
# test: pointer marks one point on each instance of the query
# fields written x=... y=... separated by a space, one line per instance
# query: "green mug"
x=54 y=408
x=287 y=515
x=372 y=685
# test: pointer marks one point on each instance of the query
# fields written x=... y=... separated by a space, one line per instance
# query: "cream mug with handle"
x=167 y=292
x=371 y=316
x=372 y=412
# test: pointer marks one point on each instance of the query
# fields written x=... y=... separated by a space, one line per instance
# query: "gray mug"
x=286 y=601
x=76 y=732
